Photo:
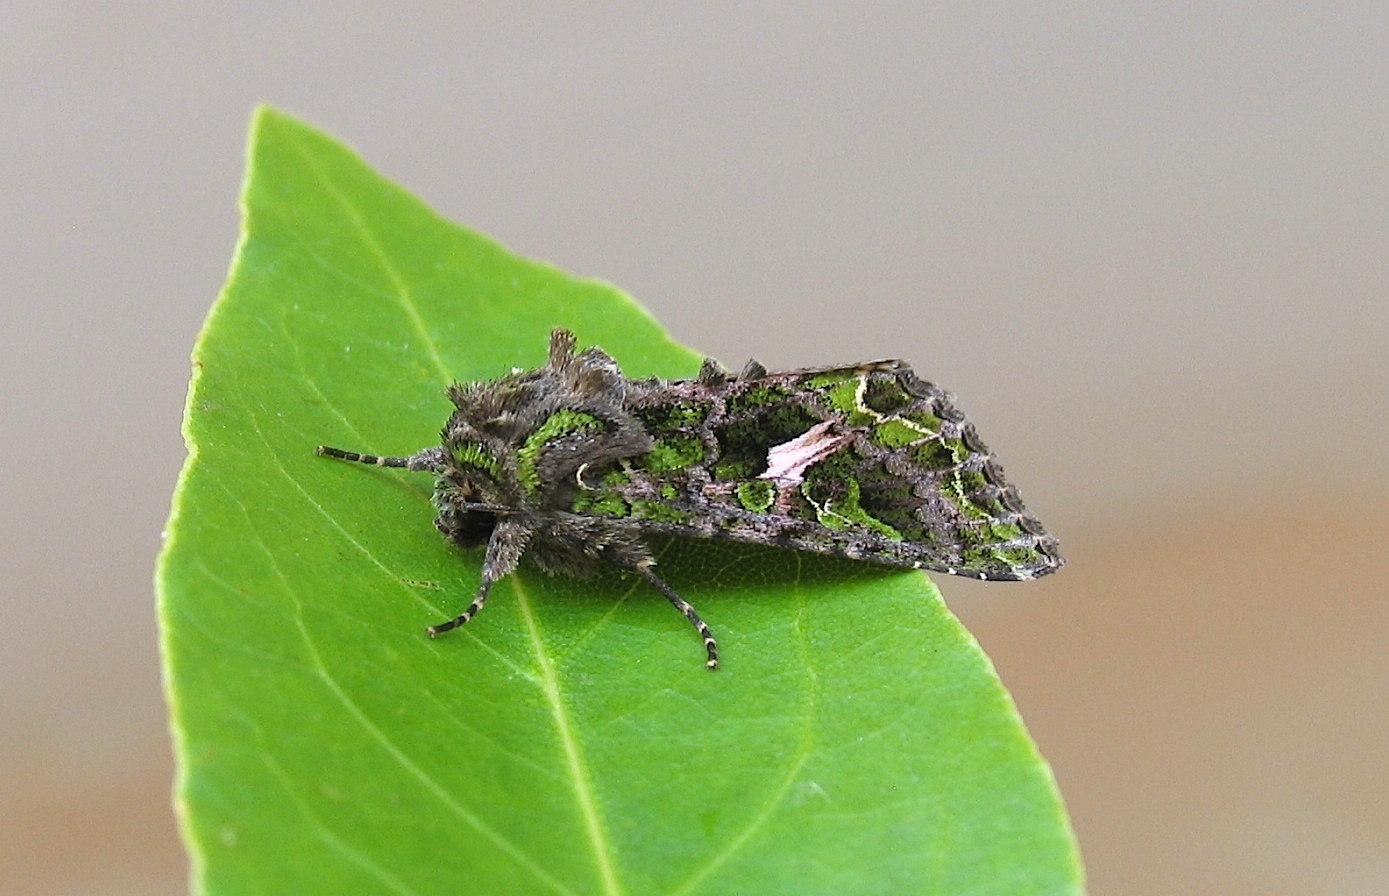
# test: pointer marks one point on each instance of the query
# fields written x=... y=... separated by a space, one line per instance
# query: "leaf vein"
x=397 y=754
x=802 y=756
x=578 y=770
x=402 y=291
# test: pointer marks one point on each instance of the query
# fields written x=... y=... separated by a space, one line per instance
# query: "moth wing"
x=865 y=461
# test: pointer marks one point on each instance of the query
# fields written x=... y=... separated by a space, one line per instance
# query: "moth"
x=573 y=465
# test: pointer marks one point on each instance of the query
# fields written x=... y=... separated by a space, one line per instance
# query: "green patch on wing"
x=757 y=495
x=564 y=423
x=471 y=454
x=673 y=453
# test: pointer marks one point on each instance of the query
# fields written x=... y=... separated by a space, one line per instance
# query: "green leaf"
x=569 y=739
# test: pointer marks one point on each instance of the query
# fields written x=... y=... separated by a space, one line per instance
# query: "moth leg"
x=462 y=618
x=504 y=549
x=710 y=647
x=431 y=459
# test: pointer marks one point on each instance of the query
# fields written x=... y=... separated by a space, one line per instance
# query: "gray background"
x=1148 y=246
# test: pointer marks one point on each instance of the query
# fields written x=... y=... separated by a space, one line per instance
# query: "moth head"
x=465 y=528
x=471 y=485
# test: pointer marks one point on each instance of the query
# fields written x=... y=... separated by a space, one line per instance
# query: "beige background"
x=1149 y=247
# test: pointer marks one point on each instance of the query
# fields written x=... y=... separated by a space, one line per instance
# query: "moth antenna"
x=710 y=647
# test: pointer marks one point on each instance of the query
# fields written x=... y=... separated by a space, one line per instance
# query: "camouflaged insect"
x=573 y=466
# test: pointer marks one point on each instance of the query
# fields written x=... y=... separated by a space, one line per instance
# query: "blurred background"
x=1147 y=246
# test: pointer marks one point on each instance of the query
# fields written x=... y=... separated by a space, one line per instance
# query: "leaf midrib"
x=573 y=756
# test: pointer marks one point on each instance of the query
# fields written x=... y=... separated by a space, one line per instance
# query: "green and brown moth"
x=573 y=465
